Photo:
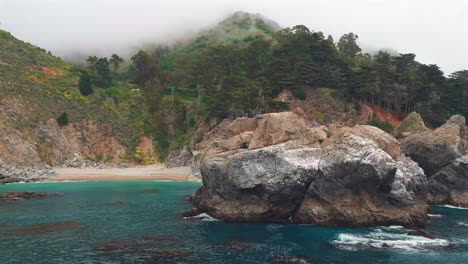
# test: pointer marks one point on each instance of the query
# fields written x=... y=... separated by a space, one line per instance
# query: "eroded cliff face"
x=348 y=176
x=443 y=155
x=30 y=148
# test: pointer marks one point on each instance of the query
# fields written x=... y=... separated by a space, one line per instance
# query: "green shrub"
x=62 y=120
x=277 y=106
x=385 y=126
x=300 y=93
x=85 y=84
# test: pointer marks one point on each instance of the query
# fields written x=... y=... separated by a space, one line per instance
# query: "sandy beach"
x=145 y=173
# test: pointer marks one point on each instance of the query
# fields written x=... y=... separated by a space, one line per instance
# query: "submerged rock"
x=27 y=195
x=238 y=244
x=112 y=246
x=160 y=238
x=44 y=228
x=151 y=191
x=350 y=181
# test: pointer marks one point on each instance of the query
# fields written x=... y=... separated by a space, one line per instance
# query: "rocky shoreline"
x=274 y=168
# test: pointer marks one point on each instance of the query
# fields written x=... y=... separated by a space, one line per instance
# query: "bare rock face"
x=180 y=158
x=243 y=134
x=450 y=184
x=433 y=150
x=442 y=155
x=29 y=155
x=465 y=139
x=259 y=185
x=277 y=128
x=359 y=184
x=350 y=182
x=412 y=124
x=384 y=140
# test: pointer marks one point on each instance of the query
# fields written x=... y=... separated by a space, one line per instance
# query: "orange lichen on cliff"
x=368 y=110
x=51 y=71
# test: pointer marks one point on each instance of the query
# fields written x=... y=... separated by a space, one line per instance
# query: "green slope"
x=48 y=87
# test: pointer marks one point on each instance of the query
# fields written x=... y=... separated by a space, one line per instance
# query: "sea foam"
x=454 y=207
x=386 y=240
x=203 y=217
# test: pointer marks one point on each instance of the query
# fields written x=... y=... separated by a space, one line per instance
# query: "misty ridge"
x=76 y=29
x=219 y=33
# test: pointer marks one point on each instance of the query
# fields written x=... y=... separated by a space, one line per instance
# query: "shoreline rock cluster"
x=274 y=168
x=443 y=157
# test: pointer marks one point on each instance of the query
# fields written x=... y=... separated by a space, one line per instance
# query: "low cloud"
x=435 y=30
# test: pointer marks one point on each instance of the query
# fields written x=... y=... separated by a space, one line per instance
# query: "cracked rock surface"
x=352 y=178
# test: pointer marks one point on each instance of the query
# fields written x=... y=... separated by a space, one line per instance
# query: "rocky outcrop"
x=278 y=128
x=450 y=184
x=412 y=124
x=433 y=150
x=179 y=158
x=439 y=153
x=384 y=140
x=358 y=184
x=243 y=134
x=349 y=179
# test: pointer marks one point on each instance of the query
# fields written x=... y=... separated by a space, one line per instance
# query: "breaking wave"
x=462 y=223
x=435 y=215
x=203 y=217
x=387 y=240
x=454 y=207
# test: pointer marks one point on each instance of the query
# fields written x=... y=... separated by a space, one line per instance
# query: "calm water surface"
x=140 y=222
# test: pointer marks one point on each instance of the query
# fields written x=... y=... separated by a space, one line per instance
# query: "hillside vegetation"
x=241 y=67
x=36 y=86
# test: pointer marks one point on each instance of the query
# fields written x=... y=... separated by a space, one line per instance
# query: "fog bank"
x=435 y=30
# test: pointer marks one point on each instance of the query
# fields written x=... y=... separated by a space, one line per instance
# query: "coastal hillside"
x=161 y=102
x=295 y=69
x=46 y=121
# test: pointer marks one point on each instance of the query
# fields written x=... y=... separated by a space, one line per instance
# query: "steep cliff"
x=35 y=89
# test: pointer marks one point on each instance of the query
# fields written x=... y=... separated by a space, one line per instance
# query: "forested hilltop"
x=242 y=74
x=242 y=67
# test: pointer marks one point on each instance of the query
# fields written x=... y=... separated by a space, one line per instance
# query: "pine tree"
x=85 y=84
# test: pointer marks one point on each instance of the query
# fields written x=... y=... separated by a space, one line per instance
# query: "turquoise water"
x=127 y=213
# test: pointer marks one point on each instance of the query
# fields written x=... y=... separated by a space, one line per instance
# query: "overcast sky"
x=435 y=30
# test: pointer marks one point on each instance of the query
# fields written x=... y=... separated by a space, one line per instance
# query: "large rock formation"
x=243 y=134
x=439 y=153
x=349 y=179
x=433 y=150
x=450 y=184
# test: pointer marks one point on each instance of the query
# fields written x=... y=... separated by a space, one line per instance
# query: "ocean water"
x=140 y=222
